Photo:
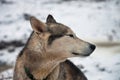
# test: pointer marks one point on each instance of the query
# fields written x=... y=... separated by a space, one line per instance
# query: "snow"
x=6 y=75
x=95 y=21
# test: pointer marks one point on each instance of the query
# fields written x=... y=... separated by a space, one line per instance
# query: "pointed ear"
x=37 y=25
x=50 y=19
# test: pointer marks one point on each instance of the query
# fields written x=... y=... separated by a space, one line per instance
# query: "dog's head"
x=59 y=39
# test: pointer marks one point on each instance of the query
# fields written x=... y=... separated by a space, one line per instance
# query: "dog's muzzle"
x=89 y=50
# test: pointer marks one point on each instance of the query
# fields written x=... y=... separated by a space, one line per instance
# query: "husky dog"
x=44 y=57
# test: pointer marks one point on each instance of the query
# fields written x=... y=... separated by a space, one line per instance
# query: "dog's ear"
x=50 y=19
x=37 y=25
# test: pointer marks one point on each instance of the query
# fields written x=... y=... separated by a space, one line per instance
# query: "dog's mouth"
x=78 y=54
x=75 y=53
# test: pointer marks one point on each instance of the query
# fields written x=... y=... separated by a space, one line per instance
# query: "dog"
x=45 y=55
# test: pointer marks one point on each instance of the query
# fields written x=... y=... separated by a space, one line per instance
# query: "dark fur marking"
x=57 y=30
x=52 y=38
x=62 y=72
x=76 y=71
x=28 y=73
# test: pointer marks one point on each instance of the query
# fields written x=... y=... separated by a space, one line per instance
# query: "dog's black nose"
x=92 y=47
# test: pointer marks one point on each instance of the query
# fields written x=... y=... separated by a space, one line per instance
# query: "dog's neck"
x=54 y=74
x=47 y=67
x=44 y=70
x=48 y=74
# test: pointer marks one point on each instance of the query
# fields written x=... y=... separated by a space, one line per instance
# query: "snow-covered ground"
x=96 y=21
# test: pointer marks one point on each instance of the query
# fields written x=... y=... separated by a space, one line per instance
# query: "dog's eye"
x=71 y=35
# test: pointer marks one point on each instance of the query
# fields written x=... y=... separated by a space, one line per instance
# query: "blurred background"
x=95 y=21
